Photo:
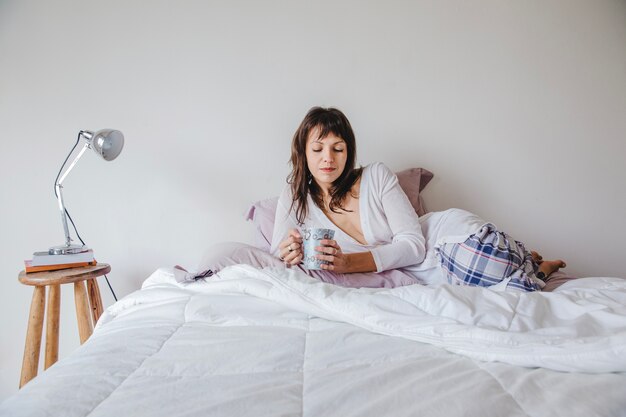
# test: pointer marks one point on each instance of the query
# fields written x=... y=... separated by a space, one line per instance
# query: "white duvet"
x=275 y=342
x=580 y=327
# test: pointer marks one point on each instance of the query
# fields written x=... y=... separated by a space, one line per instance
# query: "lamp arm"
x=68 y=239
x=67 y=171
x=59 y=188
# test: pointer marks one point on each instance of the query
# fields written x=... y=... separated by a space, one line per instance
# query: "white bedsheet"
x=581 y=327
x=269 y=343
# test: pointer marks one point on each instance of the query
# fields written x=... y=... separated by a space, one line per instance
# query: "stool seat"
x=63 y=276
x=86 y=300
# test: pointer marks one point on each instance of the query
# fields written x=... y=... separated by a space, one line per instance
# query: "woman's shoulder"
x=377 y=171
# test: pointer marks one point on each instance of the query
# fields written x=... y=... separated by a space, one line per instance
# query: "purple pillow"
x=412 y=181
x=262 y=213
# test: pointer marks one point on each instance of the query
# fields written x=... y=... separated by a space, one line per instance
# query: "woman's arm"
x=345 y=263
x=393 y=210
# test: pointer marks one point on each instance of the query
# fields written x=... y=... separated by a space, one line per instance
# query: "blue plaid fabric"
x=488 y=257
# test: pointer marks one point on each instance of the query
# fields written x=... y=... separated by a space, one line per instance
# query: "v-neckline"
x=332 y=225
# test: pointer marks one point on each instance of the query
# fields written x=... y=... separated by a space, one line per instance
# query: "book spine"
x=42 y=268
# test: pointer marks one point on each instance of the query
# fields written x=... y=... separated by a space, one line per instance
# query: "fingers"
x=328 y=267
x=291 y=246
x=297 y=259
x=293 y=258
x=328 y=247
x=327 y=258
x=329 y=252
x=295 y=234
x=327 y=243
x=290 y=249
x=291 y=241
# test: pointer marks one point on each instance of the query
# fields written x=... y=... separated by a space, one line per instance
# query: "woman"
x=376 y=226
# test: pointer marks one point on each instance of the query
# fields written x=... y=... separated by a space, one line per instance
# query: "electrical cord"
x=67 y=213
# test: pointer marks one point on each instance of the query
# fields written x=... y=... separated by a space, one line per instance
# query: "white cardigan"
x=389 y=223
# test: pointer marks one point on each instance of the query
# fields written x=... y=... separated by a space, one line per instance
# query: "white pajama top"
x=389 y=223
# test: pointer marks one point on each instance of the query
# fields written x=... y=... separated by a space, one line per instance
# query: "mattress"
x=278 y=343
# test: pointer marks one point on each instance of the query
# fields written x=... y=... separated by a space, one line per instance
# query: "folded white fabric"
x=579 y=327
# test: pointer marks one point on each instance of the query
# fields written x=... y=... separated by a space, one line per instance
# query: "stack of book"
x=43 y=261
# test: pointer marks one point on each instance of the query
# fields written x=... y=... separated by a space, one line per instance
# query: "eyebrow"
x=319 y=140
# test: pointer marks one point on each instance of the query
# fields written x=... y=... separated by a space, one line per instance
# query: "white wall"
x=518 y=107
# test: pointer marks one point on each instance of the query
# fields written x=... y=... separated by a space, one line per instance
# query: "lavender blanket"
x=232 y=253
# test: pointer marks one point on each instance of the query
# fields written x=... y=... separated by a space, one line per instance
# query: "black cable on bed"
x=67 y=213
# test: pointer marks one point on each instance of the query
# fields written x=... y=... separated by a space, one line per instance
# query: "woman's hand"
x=290 y=249
x=330 y=251
x=344 y=263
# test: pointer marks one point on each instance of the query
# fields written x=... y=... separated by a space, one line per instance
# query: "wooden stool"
x=54 y=279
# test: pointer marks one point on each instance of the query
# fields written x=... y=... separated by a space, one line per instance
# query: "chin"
x=328 y=178
x=324 y=181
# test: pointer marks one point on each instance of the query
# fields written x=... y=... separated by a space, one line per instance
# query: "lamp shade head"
x=107 y=143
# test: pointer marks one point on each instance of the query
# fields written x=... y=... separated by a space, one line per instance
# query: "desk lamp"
x=106 y=143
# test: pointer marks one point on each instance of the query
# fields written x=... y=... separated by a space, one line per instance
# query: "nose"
x=327 y=155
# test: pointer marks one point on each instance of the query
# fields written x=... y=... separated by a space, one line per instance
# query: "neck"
x=324 y=189
x=324 y=195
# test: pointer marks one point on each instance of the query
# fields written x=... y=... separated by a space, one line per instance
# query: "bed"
x=259 y=339
x=269 y=342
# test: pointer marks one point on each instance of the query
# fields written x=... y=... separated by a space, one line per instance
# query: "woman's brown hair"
x=327 y=121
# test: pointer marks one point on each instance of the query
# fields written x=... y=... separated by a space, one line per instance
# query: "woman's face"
x=326 y=157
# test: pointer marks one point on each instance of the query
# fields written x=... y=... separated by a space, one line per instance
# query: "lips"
x=327 y=170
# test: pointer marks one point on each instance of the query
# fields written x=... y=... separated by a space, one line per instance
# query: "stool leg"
x=30 y=363
x=52 y=325
x=82 y=311
x=94 y=299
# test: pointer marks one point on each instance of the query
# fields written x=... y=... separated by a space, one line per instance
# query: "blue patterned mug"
x=310 y=239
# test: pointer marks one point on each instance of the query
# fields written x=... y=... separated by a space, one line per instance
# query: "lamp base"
x=67 y=249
